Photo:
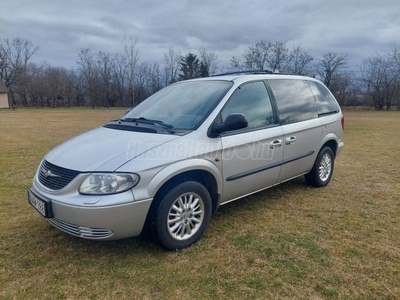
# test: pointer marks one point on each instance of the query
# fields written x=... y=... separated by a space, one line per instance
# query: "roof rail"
x=246 y=72
x=258 y=72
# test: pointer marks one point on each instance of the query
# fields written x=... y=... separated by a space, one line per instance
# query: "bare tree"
x=299 y=61
x=14 y=57
x=395 y=55
x=79 y=88
x=119 y=74
x=329 y=66
x=156 y=78
x=88 y=68
x=36 y=84
x=54 y=80
x=266 y=55
x=120 y=79
x=141 y=82
x=50 y=86
x=104 y=66
x=256 y=57
x=236 y=64
x=278 y=56
x=132 y=58
x=345 y=88
x=382 y=77
x=209 y=60
x=73 y=88
x=171 y=65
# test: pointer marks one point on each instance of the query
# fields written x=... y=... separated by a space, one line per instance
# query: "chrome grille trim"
x=81 y=231
x=54 y=177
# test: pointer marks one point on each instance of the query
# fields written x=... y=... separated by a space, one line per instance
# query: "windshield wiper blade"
x=168 y=127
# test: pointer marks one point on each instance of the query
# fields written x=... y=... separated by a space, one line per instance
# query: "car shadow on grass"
x=145 y=243
x=266 y=197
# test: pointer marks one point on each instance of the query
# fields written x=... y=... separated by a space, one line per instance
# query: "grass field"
x=289 y=242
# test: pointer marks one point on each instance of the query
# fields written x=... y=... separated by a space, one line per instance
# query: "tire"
x=182 y=215
x=322 y=171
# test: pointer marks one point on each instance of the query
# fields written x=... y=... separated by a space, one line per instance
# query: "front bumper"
x=98 y=222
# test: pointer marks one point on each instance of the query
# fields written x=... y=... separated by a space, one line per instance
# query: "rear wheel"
x=182 y=215
x=321 y=173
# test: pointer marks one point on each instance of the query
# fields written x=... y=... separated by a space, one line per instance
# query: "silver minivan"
x=172 y=160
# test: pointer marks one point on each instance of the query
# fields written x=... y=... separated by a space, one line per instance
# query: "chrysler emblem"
x=49 y=173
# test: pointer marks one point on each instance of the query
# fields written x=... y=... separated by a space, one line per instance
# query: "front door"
x=251 y=156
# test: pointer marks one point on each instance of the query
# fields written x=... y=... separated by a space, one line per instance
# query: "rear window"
x=294 y=100
x=326 y=103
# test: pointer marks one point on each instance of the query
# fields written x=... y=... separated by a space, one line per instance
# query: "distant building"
x=3 y=95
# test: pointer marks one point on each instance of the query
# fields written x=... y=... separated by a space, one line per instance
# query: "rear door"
x=297 y=113
x=252 y=156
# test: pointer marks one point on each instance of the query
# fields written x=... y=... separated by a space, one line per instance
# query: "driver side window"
x=253 y=101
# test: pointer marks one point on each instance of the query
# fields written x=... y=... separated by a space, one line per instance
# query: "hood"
x=104 y=149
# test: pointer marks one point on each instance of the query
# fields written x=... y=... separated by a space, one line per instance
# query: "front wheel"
x=182 y=215
x=321 y=173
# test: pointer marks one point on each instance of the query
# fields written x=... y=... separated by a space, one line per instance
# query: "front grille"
x=54 y=177
x=80 y=231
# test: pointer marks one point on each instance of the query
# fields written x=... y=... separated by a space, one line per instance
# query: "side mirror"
x=128 y=110
x=232 y=122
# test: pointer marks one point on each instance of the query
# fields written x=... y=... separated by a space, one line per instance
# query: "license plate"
x=38 y=204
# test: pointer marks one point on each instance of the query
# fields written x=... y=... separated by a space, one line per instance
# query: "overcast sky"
x=62 y=28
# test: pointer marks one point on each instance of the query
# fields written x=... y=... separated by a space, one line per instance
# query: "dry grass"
x=291 y=241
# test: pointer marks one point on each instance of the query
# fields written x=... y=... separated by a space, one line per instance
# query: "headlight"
x=108 y=183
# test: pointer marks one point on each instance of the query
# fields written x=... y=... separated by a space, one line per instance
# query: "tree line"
x=104 y=79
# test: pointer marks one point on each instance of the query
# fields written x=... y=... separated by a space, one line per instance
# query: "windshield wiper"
x=143 y=120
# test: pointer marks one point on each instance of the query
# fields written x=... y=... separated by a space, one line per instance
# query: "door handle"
x=290 y=140
x=275 y=144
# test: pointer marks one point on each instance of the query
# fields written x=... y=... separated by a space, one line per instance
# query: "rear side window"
x=326 y=103
x=253 y=101
x=294 y=100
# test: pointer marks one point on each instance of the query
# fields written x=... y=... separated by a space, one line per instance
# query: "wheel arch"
x=202 y=176
x=333 y=144
x=200 y=170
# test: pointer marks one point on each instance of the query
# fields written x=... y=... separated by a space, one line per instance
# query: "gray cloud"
x=61 y=28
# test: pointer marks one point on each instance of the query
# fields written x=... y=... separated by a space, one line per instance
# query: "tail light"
x=342 y=121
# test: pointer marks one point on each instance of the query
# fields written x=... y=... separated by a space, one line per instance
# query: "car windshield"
x=184 y=105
